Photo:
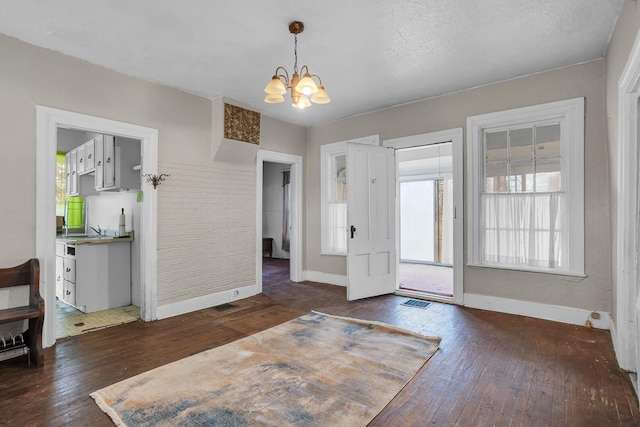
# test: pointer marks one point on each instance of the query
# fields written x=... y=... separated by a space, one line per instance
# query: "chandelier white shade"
x=305 y=90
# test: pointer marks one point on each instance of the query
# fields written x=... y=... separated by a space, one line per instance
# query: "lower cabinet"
x=103 y=276
x=60 y=250
x=69 y=290
x=97 y=278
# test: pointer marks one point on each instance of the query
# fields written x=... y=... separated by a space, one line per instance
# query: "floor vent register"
x=416 y=303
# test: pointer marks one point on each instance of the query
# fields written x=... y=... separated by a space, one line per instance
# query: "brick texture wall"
x=206 y=230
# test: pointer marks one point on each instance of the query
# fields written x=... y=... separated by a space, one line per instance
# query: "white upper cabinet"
x=86 y=157
x=103 y=163
x=72 y=173
x=114 y=161
x=80 y=163
x=105 y=149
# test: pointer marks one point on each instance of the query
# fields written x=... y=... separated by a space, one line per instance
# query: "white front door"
x=371 y=253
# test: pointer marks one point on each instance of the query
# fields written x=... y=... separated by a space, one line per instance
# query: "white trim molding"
x=48 y=120
x=206 y=301
x=295 y=247
x=455 y=137
x=328 y=278
x=626 y=272
x=556 y=313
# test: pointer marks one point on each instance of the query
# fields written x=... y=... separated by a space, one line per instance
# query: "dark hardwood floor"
x=274 y=271
x=491 y=368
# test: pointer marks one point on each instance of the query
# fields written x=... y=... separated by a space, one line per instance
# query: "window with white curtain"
x=333 y=194
x=526 y=188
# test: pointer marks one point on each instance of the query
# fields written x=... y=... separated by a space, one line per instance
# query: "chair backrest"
x=23 y=274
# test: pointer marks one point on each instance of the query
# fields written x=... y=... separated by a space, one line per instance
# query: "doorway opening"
x=425 y=176
x=278 y=218
x=276 y=223
x=82 y=304
x=48 y=122
x=429 y=170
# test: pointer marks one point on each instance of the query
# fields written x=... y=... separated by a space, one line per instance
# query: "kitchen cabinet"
x=85 y=160
x=103 y=163
x=72 y=173
x=69 y=276
x=89 y=156
x=77 y=181
x=114 y=161
x=80 y=160
x=97 y=276
x=60 y=250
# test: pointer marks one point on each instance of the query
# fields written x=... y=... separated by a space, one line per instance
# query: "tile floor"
x=71 y=321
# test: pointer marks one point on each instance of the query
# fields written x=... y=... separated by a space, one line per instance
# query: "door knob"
x=353 y=231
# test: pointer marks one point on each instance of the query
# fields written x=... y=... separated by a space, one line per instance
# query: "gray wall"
x=31 y=76
x=450 y=111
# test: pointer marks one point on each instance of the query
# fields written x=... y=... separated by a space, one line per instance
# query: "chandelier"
x=304 y=90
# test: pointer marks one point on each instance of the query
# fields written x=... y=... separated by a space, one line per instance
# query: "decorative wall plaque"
x=241 y=124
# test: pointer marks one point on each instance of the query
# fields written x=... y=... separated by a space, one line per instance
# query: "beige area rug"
x=316 y=370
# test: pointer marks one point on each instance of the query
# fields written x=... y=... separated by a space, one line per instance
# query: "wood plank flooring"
x=491 y=368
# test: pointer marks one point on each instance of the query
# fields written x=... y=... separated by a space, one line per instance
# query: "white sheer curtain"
x=337 y=232
x=524 y=230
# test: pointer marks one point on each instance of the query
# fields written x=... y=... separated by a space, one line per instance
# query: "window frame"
x=570 y=113
x=327 y=153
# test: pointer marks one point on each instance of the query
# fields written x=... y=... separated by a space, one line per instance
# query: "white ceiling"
x=370 y=54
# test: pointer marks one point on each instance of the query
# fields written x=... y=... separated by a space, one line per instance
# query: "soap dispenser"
x=121 y=228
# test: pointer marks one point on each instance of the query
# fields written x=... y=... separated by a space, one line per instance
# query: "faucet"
x=98 y=230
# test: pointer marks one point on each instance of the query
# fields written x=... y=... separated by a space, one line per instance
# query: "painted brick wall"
x=206 y=230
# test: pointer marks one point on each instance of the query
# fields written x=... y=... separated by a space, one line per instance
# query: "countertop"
x=80 y=240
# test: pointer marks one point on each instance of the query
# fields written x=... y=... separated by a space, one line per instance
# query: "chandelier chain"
x=295 y=53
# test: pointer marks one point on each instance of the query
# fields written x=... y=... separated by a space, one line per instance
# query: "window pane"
x=548 y=142
x=521 y=144
x=496 y=146
x=340 y=174
x=496 y=162
x=521 y=178
x=546 y=182
x=337 y=228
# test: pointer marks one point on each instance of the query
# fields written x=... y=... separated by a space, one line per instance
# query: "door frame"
x=455 y=137
x=626 y=274
x=295 y=248
x=48 y=120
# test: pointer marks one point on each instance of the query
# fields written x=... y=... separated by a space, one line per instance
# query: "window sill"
x=528 y=270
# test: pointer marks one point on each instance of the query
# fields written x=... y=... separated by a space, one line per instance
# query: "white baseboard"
x=206 y=301
x=557 y=313
x=318 y=276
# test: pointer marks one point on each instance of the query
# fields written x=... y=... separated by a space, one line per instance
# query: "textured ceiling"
x=370 y=54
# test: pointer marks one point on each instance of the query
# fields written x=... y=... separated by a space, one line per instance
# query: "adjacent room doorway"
x=273 y=170
x=276 y=223
x=48 y=121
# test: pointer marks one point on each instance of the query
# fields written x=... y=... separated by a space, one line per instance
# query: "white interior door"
x=371 y=253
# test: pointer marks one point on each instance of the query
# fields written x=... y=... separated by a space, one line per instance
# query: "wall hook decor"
x=155 y=179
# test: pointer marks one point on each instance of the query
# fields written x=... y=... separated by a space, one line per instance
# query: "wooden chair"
x=26 y=274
